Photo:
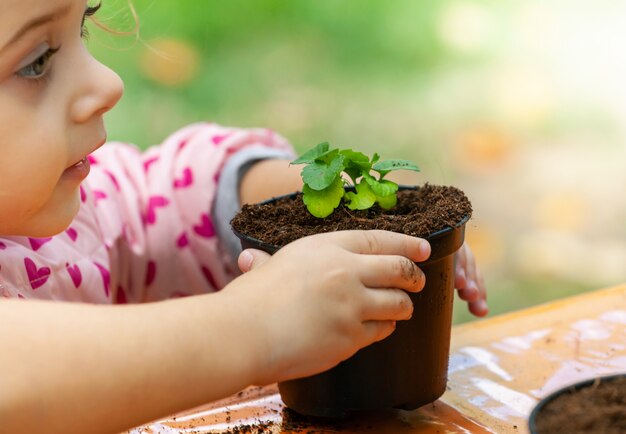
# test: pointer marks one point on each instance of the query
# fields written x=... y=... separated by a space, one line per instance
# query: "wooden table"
x=499 y=369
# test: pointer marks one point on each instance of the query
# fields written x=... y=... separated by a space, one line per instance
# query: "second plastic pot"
x=542 y=409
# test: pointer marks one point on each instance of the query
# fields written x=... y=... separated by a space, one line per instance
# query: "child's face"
x=51 y=107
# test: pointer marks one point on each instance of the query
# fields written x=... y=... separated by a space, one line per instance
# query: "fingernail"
x=461 y=274
x=424 y=249
x=482 y=306
x=422 y=280
x=410 y=315
x=245 y=259
x=469 y=295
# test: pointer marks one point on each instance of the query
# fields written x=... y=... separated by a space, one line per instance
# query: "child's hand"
x=469 y=282
x=321 y=298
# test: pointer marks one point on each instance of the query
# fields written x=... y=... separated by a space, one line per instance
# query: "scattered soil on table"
x=419 y=213
x=599 y=408
x=293 y=422
x=258 y=428
x=302 y=424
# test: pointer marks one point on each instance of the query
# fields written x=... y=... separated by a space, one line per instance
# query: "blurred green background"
x=520 y=104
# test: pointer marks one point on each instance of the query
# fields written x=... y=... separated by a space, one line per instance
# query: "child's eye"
x=38 y=67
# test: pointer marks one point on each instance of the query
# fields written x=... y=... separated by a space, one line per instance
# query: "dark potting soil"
x=599 y=408
x=419 y=213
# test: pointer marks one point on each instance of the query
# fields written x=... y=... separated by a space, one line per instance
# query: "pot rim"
x=273 y=248
x=532 y=419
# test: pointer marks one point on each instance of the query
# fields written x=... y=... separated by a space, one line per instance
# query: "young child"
x=113 y=229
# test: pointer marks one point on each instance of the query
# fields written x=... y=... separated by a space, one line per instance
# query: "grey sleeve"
x=227 y=198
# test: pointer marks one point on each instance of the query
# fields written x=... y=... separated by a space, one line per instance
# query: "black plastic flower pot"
x=544 y=408
x=407 y=369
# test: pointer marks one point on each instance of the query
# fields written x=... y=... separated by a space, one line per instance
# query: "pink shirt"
x=146 y=229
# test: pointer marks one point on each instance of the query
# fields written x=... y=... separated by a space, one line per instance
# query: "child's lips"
x=78 y=171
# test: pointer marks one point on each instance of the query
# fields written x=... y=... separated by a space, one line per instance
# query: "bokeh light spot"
x=170 y=62
x=466 y=27
x=561 y=211
x=483 y=147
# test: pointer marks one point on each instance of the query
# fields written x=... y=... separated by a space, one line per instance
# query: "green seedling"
x=324 y=186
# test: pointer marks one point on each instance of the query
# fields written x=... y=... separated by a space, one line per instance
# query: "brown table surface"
x=499 y=369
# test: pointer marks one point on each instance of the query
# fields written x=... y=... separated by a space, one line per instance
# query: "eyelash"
x=45 y=57
x=89 y=11
x=41 y=60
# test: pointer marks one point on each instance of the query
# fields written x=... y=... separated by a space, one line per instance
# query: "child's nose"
x=102 y=89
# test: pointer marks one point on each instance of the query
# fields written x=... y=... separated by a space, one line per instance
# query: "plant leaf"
x=384 y=167
x=312 y=154
x=321 y=203
x=364 y=197
x=356 y=163
x=358 y=158
x=324 y=186
x=387 y=202
x=319 y=175
x=381 y=188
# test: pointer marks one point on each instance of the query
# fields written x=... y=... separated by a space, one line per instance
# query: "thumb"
x=250 y=259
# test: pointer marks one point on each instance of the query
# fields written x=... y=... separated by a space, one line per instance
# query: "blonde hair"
x=101 y=25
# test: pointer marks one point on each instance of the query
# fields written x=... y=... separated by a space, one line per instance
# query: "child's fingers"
x=470 y=294
x=386 y=304
x=478 y=308
x=469 y=282
x=374 y=331
x=386 y=271
x=469 y=291
x=251 y=258
x=470 y=267
x=376 y=242
x=481 y=285
x=460 y=279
